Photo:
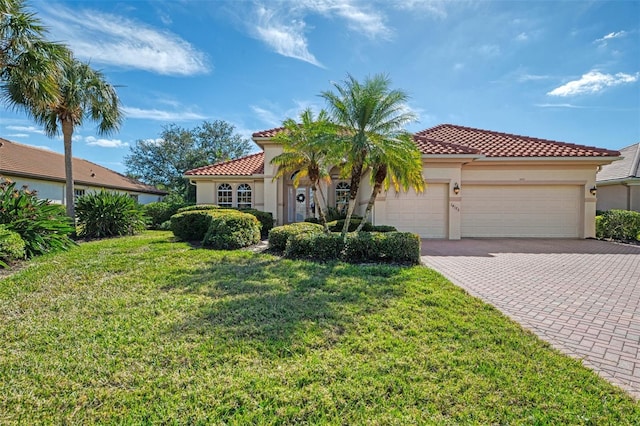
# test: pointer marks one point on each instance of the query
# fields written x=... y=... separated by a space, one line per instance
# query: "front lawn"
x=147 y=330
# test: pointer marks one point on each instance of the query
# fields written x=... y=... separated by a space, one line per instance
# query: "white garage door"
x=424 y=214
x=521 y=211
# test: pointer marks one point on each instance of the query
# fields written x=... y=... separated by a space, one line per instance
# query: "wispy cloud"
x=434 y=7
x=522 y=37
x=593 y=82
x=268 y=116
x=27 y=129
x=610 y=36
x=559 y=106
x=114 y=40
x=532 y=77
x=489 y=50
x=159 y=115
x=18 y=135
x=365 y=21
x=105 y=143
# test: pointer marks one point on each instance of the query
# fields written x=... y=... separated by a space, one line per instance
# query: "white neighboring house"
x=619 y=182
x=479 y=183
x=43 y=170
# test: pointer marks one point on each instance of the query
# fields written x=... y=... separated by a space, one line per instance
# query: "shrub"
x=362 y=247
x=312 y=220
x=383 y=228
x=231 y=230
x=336 y=225
x=160 y=212
x=319 y=247
x=11 y=246
x=191 y=225
x=279 y=235
x=165 y=226
x=619 y=225
x=43 y=227
x=401 y=247
x=108 y=214
x=198 y=207
x=265 y=219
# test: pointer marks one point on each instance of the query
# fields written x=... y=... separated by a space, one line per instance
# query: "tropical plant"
x=43 y=227
x=309 y=148
x=11 y=246
x=395 y=161
x=29 y=63
x=108 y=214
x=83 y=93
x=369 y=114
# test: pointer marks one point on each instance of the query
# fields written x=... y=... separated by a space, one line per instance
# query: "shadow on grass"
x=281 y=307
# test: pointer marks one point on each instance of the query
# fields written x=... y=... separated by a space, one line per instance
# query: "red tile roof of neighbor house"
x=245 y=166
x=445 y=139
x=36 y=163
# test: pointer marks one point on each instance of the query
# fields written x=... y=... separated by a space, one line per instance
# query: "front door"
x=300 y=202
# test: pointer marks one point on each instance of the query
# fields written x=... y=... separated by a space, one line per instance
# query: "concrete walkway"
x=582 y=296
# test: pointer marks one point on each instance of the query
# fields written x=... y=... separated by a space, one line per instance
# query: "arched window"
x=244 y=196
x=342 y=196
x=225 y=195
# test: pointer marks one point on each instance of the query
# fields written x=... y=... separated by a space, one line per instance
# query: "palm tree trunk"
x=379 y=177
x=67 y=134
x=323 y=218
x=353 y=195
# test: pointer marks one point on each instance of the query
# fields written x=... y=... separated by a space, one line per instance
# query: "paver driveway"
x=582 y=296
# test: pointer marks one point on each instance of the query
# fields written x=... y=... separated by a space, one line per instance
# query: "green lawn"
x=147 y=330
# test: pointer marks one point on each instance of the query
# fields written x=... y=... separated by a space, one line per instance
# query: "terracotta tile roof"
x=267 y=133
x=628 y=167
x=433 y=147
x=37 y=163
x=495 y=144
x=245 y=166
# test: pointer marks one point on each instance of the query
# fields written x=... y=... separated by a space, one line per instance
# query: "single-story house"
x=479 y=183
x=619 y=182
x=43 y=170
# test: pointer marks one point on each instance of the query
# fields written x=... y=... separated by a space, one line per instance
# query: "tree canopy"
x=162 y=162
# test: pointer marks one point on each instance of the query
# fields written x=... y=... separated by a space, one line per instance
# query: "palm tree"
x=307 y=151
x=82 y=93
x=371 y=114
x=395 y=161
x=29 y=64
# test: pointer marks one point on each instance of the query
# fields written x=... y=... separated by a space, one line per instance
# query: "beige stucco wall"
x=619 y=196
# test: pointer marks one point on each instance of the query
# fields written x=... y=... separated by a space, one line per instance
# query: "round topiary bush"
x=279 y=235
x=191 y=225
x=230 y=230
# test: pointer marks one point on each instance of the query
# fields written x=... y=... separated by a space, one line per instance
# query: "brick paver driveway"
x=582 y=296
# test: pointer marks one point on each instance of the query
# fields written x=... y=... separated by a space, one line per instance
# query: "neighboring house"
x=43 y=170
x=480 y=183
x=619 y=182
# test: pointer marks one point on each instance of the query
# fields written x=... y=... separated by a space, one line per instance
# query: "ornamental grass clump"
x=108 y=214
x=44 y=227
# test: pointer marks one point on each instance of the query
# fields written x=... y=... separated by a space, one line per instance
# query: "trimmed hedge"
x=384 y=228
x=198 y=207
x=11 y=246
x=279 y=235
x=621 y=225
x=230 y=230
x=319 y=247
x=392 y=247
x=191 y=225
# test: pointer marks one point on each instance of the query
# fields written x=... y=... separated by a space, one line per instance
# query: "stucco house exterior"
x=43 y=170
x=479 y=183
x=619 y=182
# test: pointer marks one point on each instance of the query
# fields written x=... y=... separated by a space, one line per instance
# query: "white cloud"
x=593 y=82
x=287 y=39
x=267 y=116
x=489 y=50
x=558 y=106
x=115 y=40
x=18 y=135
x=433 y=7
x=27 y=129
x=611 y=36
x=365 y=21
x=522 y=37
x=105 y=143
x=532 y=77
x=159 y=115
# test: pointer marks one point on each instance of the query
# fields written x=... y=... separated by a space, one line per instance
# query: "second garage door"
x=425 y=213
x=521 y=211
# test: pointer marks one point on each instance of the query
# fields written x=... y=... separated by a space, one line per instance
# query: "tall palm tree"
x=308 y=151
x=82 y=93
x=29 y=63
x=370 y=114
x=396 y=162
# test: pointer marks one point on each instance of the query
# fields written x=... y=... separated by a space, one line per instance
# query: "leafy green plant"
x=191 y=225
x=108 y=214
x=279 y=235
x=231 y=230
x=319 y=247
x=265 y=219
x=11 y=246
x=618 y=225
x=383 y=228
x=43 y=227
x=160 y=212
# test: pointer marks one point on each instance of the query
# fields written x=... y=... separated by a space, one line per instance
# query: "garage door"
x=424 y=214
x=521 y=211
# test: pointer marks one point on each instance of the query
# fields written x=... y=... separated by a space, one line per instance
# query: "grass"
x=145 y=330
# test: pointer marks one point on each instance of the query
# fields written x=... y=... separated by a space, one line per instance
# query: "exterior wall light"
x=456 y=188
x=593 y=190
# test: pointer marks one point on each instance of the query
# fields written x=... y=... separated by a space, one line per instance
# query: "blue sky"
x=566 y=71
